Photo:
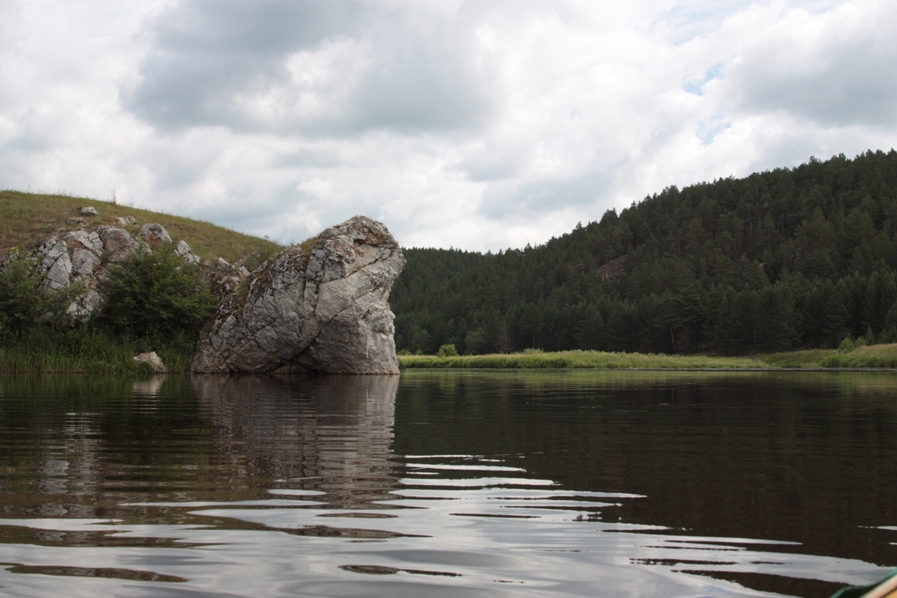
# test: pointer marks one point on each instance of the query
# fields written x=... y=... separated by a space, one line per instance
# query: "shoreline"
x=867 y=358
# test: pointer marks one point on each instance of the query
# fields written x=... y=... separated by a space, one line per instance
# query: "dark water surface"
x=448 y=484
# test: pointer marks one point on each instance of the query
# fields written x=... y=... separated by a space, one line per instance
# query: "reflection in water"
x=150 y=386
x=433 y=485
x=331 y=434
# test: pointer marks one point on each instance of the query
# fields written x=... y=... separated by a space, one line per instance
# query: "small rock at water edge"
x=153 y=360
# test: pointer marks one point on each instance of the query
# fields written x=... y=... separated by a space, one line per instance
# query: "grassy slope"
x=876 y=356
x=27 y=219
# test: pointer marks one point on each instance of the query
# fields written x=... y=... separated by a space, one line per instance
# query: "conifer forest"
x=787 y=259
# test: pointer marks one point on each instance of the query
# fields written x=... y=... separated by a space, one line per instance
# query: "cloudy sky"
x=479 y=124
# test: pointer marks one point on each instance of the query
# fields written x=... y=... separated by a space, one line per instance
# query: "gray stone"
x=86 y=305
x=87 y=211
x=58 y=265
x=154 y=235
x=323 y=310
x=154 y=361
x=126 y=221
x=88 y=241
x=84 y=263
x=183 y=250
x=117 y=242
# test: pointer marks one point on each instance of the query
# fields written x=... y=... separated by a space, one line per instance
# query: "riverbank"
x=84 y=350
x=94 y=352
x=875 y=356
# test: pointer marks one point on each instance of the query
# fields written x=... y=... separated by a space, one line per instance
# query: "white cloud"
x=834 y=68
x=481 y=124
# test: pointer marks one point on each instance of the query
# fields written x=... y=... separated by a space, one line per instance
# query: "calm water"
x=448 y=484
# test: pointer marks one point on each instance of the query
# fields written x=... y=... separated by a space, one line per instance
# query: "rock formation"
x=81 y=257
x=154 y=235
x=321 y=309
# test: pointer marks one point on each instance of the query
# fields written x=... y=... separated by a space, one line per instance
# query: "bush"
x=447 y=351
x=156 y=295
x=26 y=304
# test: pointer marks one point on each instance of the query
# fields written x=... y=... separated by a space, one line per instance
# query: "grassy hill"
x=29 y=218
x=161 y=291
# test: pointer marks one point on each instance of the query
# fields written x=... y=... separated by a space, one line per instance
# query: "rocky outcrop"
x=118 y=243
x=58 y=264
x=154 y=235
x=183 y=250
x=80 y=257
x=317 y=310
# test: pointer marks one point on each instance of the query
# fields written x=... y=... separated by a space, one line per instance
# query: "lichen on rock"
x=320 y=310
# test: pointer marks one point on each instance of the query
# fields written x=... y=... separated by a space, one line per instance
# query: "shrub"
x=155 y=294
x=26 y=304
x=447 y=351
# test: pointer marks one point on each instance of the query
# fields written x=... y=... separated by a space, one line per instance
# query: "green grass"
x=873 y=356
x=877 y=356
x=580 y=359
x=810 y=358
x=29 y=218
x=83 y=350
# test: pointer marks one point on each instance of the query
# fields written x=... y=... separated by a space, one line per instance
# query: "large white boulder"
x=321 y=310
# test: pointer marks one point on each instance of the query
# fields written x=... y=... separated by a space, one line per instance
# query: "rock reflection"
x=150 y=386
x=331 y=434
x=71 y=472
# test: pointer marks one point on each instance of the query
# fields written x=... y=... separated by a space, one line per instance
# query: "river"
x=449 y=483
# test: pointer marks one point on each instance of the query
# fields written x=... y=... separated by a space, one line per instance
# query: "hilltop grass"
x=30 y=218
x=876 y=356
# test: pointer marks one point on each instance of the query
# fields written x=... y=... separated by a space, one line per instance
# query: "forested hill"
x=792 y=258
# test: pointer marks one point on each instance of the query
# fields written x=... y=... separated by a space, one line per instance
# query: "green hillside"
x=29 y=218
x=155 y=302
x=787 y=259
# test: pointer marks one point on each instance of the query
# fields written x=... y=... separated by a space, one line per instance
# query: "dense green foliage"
x=155 y=294
x=780 y=260
x=27 y=305
x=155 y=303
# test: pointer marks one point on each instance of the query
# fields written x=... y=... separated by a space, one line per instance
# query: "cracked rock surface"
x=317 y=310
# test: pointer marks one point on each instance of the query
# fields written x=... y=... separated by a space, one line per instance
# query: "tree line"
x=791 y=258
